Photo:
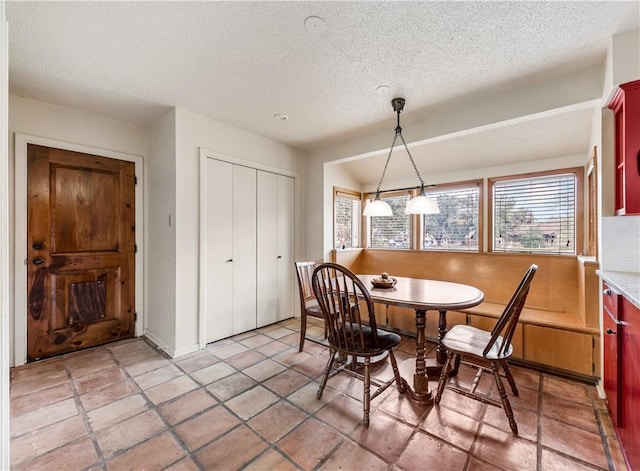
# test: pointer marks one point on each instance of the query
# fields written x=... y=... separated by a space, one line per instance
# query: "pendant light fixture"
x=421 y=204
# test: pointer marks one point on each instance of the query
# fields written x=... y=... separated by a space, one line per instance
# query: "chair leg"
x=396 y=372
x=444 y=377
x=456 y=366
x=366 y=395
x=303 y=329
x=506 y=405
x=323 y=383
x=507 y=373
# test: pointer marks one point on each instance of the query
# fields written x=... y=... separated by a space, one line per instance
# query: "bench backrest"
x=496 y=274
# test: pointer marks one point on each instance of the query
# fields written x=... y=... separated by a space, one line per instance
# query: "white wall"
x=621 y=238
x=623 y=61
x=40 y=119
x=160 y=246
x=192 y=132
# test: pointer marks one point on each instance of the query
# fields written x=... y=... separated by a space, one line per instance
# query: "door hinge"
x=593 y=368
x=135 y=316
x=593 y=342
x=135 y=248
x=135 y=179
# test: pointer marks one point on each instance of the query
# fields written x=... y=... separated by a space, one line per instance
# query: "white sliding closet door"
x=248 y=277
x=219 y=250
x=230 y=249
x=267 y=272
x=244 y=249
x=286 y=232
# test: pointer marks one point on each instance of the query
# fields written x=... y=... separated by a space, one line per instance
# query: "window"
x=346 y=219
x=537 y=213
x=456 y=227
x=394 y=231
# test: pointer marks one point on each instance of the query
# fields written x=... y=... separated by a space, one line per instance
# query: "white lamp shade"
x=422 y=205
x=377 y=208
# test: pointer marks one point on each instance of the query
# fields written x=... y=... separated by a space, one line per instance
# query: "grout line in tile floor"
x=152 y=406
x=257 y=390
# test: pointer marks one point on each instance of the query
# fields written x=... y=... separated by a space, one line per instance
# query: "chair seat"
x=473 y=341
x=386 y=340
x=312 y=307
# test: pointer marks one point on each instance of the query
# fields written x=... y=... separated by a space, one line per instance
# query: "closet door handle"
x=229 y=261
x=279 y=256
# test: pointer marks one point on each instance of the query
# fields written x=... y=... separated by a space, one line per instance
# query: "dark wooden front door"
x=81 y=251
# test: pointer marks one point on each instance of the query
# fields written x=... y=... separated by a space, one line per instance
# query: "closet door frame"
x=205 y=154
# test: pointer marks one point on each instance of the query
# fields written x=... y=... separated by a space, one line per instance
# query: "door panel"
x=267 y=270
x=81 y=251
x=286 y=217
x=612 y=378
x=219 y=244
x=244 y=249
x=76 y=225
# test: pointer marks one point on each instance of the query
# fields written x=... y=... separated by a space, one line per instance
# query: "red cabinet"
x=629 y=431
x=626 y=107
x=621 y=373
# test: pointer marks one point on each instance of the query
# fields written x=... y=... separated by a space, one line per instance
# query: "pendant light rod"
x=417 y=187
x=398 y=106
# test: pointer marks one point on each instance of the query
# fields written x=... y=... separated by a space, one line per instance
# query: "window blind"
x=535 y=214
x=456 y=226
x=391 y=231
x=347 y=220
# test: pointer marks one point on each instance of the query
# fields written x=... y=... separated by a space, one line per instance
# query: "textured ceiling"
x=244 y=62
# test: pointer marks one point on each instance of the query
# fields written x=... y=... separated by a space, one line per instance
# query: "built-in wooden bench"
x=559 y=326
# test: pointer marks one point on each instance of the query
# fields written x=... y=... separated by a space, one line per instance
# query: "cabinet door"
x=630 y=338
x=244 y=249
x=626 y=106
x=611 y=371
x=286 y=244
x=267 y=243
x=218 y=250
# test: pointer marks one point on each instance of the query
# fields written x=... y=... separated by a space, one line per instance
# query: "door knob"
x=230 y=260
x=38 y=261
x=607 y=292
x=609 y=331
x=38 y=245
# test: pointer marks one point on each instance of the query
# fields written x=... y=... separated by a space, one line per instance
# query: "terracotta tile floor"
x=249 y=402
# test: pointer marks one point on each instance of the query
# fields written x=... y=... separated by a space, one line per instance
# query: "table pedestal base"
x=426 y=368
x=420 y=392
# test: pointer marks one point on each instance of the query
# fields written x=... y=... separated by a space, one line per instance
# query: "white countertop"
x=627 y=283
